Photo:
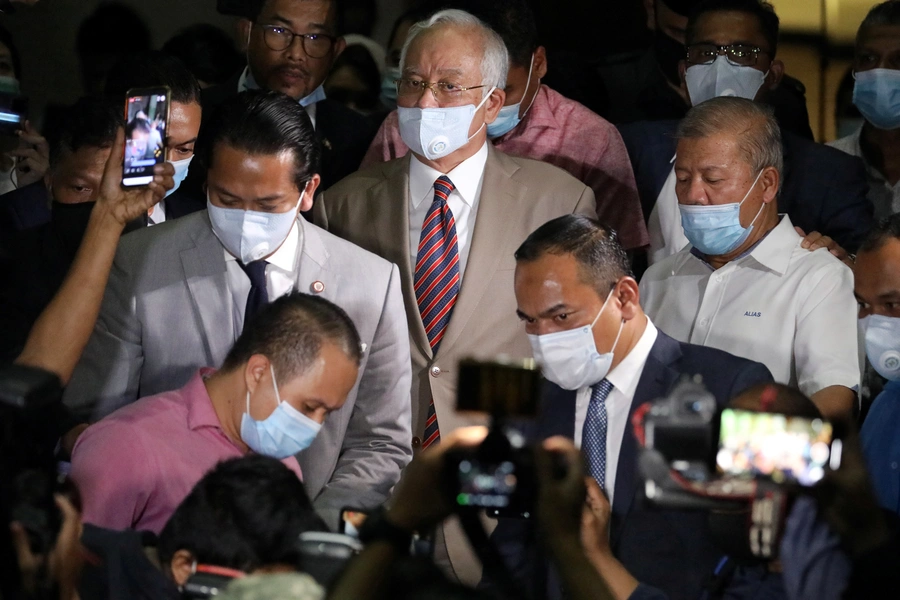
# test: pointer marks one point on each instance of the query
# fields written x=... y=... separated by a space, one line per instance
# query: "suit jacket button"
x=317 y=287
x=416 y=443
x=435 y=371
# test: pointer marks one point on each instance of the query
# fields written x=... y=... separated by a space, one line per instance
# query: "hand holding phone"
x=146 y=122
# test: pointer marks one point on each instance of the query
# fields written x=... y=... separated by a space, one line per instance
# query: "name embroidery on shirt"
x=752 y=314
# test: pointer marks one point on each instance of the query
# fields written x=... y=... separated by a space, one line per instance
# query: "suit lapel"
x=388 y=210
x=206 y=276
x=657 y=379
x=492 y=226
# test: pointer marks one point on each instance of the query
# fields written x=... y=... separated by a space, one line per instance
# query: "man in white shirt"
x=745 y=285
x=604 y=359
x=180 y=293
x=450 y=214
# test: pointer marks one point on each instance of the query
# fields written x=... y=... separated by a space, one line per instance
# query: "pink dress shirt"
x=134 y=467
x=570 y=136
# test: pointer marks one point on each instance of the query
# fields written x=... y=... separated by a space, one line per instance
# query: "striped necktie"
x=436 y=279
x=593 y=434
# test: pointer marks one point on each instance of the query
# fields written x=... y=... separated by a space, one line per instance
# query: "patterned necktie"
x=437 y=279
x=593 y=435
x=259 y=293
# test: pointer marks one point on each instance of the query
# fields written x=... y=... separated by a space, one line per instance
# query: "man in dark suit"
x=291 y=45
x=603 y=359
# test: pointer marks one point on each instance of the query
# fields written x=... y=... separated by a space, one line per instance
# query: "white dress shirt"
x=246 y=82
x=467 y=178
x=280 y=276
x=159 y=213
x=791 y=309
x=884 y=196
x=664 y=225
x=624 y=377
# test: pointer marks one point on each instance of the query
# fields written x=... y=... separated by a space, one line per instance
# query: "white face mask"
x=882 y=338
x=570 y=358
x=248 y=234
x=436 y=132
x=721 y=78
x=181 y=172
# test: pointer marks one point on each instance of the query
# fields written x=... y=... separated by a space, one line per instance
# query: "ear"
x=256 y=366
x=629 y=296
x=776 y=74
x=650 y=7
x=306 y=201
x=769 y=180
x=181 y=566
x=244 y=27
x=493 y=105
x=340 y=45
x=540 y=63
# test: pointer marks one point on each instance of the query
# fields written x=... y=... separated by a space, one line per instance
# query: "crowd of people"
x=241 y=378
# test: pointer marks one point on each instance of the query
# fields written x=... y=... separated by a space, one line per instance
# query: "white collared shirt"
x=246 y=82
x=791 y=309
x=884 y=196
x=280 y=276
x=159 y=213
x=467 y=178
x=624 y=377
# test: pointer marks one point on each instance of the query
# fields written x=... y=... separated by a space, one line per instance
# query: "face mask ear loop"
x=528 y=83
x=762 y=206
x=480 y=104
x=602 y=308
x=618 y=335
x=274 y=383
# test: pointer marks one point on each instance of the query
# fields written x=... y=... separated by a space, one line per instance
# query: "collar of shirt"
x=201 y=413
x=285 y=257
x=626 y=375
x=466 y=178
x=773 y=251
x=539 y=116
x=246 y=82
x=159 y=213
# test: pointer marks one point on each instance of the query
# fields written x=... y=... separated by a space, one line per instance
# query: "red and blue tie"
x=436 y=279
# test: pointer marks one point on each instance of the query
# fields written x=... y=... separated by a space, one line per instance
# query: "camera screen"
x=12 y=113
x=487 y=486
x=778 y=446
x=145 y=134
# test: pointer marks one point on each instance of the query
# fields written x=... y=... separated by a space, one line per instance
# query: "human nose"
x=428 y=98
x=695 y=192
x=295 y=50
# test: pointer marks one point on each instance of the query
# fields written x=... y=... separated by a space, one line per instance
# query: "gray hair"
x=759 y=136
x=886 y=13
x=494 y=63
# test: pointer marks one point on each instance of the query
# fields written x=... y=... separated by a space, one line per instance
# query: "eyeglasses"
x=443 y=91
x=741 y=55
x=316 y=45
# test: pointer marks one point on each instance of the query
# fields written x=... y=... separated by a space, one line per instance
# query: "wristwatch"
x=377 y=528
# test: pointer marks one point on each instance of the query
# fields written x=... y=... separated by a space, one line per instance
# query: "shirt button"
x=704 y=322
x=318 y=287
x=416 y=443
x=719 y=278
x=435 y=371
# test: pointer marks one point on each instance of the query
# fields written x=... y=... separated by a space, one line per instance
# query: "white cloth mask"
x=436 y=132
x=721 y=78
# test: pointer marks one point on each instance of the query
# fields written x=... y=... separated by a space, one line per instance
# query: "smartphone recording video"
x=146 y=119
x=786 y=449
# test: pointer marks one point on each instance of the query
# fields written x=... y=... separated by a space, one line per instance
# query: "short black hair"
x=7 y=40
x=91 y=121
x=207 y=51
x=152 y=69
x=290 y=332
x=601 y=259
x=244 y=514
x=513 y=20
x=262 y=122
x=112 y=28
x=886 y=13
x=763 y=11
x=885 y=230
x=255 y=7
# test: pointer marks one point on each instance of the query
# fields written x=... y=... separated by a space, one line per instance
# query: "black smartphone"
x=780 y=447
x=146 y=123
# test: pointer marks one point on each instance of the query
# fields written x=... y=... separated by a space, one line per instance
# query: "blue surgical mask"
x=715 y=230
x=508 y=117
x=721 y=78
x=284 y=433
x=876 y=93
x=389 y=86
x=248 y=234
x=315 y=96
x=882 y=336
x=181 y=171
x=436 y=132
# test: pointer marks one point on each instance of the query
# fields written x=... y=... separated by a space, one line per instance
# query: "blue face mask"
x=284 y=433
x=389 y=86
x=882 y=336
x=876 y=93
x=508 y=117
x=715 y=230
x=181 y=171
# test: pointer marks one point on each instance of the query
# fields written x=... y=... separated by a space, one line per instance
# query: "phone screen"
x=12 y=113
x=486 y=485
x=778 y=446
x=146 y=120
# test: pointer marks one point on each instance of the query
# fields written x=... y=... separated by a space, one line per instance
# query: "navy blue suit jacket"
x=668 y=549
x=823 y=189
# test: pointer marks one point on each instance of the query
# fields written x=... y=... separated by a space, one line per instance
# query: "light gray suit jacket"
x=518 y=195
x=167 y=311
